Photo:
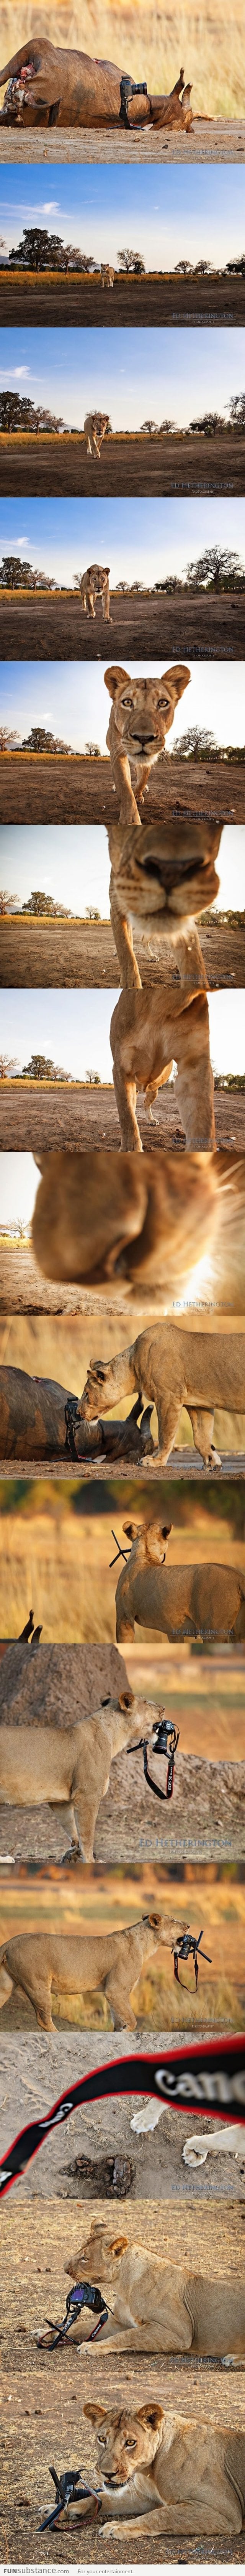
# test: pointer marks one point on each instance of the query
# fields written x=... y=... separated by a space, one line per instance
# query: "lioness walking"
x=92 y=585
x=110 y=1962
x=173 y=1368
x=96 y=428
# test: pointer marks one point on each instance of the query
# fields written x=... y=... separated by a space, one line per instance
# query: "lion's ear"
x=118 y=2245
x=126 y=1699
x=112 y=678
x=132 y=1529
x=153 y=2415
x=166 y=1533
x=95 y=2413
x=178 y=678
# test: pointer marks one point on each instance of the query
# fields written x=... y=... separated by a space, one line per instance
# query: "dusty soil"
x=222 y=139
x=70 y=2436
x=31 y=2076
x=149 y=301
x=71 y=953
x=55 y=1117
x=77 y=790
x=40 y=629
x=33 y=2256
x=22 y=1288
x=130 y=465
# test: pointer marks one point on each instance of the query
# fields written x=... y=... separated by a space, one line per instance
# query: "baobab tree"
x=8 y=741
x=7 y=902
x=131 y=263
x=216 y=569
x=8 y=1065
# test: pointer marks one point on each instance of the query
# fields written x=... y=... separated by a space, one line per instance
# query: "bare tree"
x=216 y=569
x=91 y=913
x=150 y=427
x=8 y=1065
x=131 y=263
x=92 y=1077
x=92 y=749
x=8 y=741
x=236 y=409
x=7 y=901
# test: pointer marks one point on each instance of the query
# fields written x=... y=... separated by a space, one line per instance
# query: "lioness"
x=94 y=585
x=147 y=1031
x=107 y=274
x=181 y=1600
x=58 y=87
x=110 y=1962
x=134 y=1225
x=69 y=1767
x=198 y=1370
x=158 y=884
x=188 y=2476
x=168 y=2307
x=142 y=713
x=96 y=427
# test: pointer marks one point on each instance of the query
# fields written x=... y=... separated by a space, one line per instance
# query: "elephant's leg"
x=202 y=1426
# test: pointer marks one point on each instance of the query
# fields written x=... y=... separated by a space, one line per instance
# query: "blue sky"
x=74 y=1029
x=141 y=539
x=71 y=862
x=71 y=700
x=172 y=374
x=164 y=213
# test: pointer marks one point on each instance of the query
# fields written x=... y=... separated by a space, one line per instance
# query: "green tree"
x=37 y=249
x=131 y=263
x=210 y=423
x=195 y=745
x=40 y=740
x=16 y=410
x=41 y=1069
x=41 y=904
x=236 y=409
x=216 y=567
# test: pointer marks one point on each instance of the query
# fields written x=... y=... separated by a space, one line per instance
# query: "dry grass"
x=209 y=43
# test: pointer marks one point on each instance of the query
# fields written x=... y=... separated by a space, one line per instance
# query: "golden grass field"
x=58 y=1558
x=97 y=1900
x=61 y=1347
x=208 y=42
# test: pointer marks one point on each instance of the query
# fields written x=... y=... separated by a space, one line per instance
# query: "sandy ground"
x=138 y=302
x=132 y=465
x=56 y=1117
x=80 y=791
x=62 y=2427
x=223 y=140
x=42 y=629
x=31 y=2078
x=70 y=953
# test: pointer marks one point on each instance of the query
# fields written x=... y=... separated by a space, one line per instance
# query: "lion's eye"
x=163 y=702
x=126 y=702
x=130 y=2446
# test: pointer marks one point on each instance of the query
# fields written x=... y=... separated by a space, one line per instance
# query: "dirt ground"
x=40 y=628
x=201 y=2237
x=31 y=2076
x=223 y=140
x=142 y=466
x=148 y=301
x=71 y=953
x=57 y=1117
x=77 y=790
x=71 y=2438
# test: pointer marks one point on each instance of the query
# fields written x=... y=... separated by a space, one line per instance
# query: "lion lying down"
x=168 y=2307
x=67 y=88
x=187 y=2476
x=138 y=1226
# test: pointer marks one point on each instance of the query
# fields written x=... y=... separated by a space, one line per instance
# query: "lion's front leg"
x=123 y=936
x=128 y=809
x=143 y=773
x=106 y=605
x=189 y=956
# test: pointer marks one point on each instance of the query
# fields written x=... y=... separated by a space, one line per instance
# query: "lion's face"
x=144 y=709
x=126 y=2441
x=99 y=1390
x=101 y=2253
x=154 y=1538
